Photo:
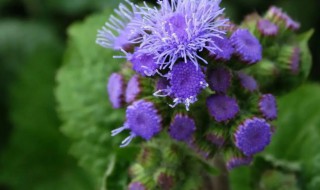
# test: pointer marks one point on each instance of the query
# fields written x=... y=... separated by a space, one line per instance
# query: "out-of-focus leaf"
x=36 y=157
x=306 y=58
x=298 y=133
x=84 y=108
x=240 y=179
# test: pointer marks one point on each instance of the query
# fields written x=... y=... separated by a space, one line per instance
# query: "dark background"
x=54 y=16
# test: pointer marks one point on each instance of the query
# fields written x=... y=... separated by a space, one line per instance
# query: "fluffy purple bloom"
x=136 y=186
x=142 y=119
x=268 y=106
x=225 y=50
x=133 y=89
x=221 y=107
x=267 y=28
x=143 y=63
x=238 y=161
x=115 y=88
x=186 y=83
x=247 y=82
x=118 y=33
x=182 y=128
x=295 y=60
x=246 y=46
x=252 y=136
x=219 y=79
x=180 y=29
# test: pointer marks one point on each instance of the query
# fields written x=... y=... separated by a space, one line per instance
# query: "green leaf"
x=306 y=58
x=298 y=133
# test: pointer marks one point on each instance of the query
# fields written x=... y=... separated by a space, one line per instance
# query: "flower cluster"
x=193 y=73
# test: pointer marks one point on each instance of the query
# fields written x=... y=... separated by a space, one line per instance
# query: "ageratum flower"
x=247 y=82
x=136 y=186
x=268 y=106
x=219 y=79
x=118 y=33
x=180 y=29
x=142 y=119
x=182 y=128
x=143 y=63
x=225 y=49
x=222 y=108
x=252 y=136
x=246 y=46
x=133 y=89
x=115 y=88
x=267 y=28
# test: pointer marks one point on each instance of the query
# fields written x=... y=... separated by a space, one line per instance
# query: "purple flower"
x=247 y=82
x=278 y=16
x=221 y=107
x=118 y=33
x=180 y=29
x=182 y=128
x=115 y=89
x=246 y=46
x=219 y=79
x=252 y=136
x=142 y=119
x=238 y=161
x=267 y=28
x=225 y=50
x=143 y=63
x=136 y=186
x=186 y=83
x=133 y=89
x=268 y=106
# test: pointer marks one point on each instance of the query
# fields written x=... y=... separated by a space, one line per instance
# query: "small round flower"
x=186 y=83
x=144 y=64
x=118 y=32
x=247 y=82
x=246 y=46
x=142 y=119
x=252 y=136
x=115 y=88
x=267 y=28
x=133 y=89
x=222 y=108
x=182 y=128
x=136 y=186
x=225 y=50
x=180 y=29
x=238 y=161
x=219 y=79
x=268 y=106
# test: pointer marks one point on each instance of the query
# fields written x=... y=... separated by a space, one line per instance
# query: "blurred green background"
x=35 y=155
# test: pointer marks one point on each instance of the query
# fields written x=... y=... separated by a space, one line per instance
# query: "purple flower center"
x=253 y=136
x=222 y=107
x=182 y=128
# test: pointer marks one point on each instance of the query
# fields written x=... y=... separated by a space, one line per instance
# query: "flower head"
x=238 y=161
x=118 y=32
x=279 y=17
x=225 y=50
x=142 y=119
x=222 y=108
x=246 y=46
x=133 y=89
x=186 y=83
x=180 y=29
x=247 y=82
x=182 y=128
x=268 y=106
x=252 y=136
x=216 y=139
x=267 y=28
x=115 y=88
x=219 y=79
